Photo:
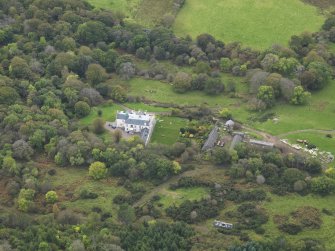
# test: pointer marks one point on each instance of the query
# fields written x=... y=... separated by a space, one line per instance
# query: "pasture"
x=126 y=7
x=284 y=205
x=159 y=92
x=319 y=114
x=257 y=24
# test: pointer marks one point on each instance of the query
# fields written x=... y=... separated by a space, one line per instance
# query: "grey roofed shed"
x=230 y=123
x=211 y=140
x=236 y=140
x=261 y=143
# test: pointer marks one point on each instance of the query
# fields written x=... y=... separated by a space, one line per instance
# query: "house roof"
x=121 y=115
x=137 y=122
x=212 y=138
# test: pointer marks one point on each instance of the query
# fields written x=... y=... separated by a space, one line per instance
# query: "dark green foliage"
x=158 y=236
x=86 y=194
x=204 y=209
x=214 y=86
x=291 y=228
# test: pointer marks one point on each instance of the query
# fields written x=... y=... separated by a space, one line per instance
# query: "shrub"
x=51 y=197
x=290 y=228
x=292 y=175
x=97 y=170
x=68 y=217
x=308 y=217
x=85 y=194
x=299 y=186
x=82 y=109
x=323 y=185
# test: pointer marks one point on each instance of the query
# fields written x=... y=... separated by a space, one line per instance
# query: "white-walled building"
x=136 y=122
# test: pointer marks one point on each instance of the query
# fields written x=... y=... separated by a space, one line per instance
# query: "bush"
x=322 y=185
x=292 y=175
x=290 y=228
x=299 y=186
x=85 y=194
x=82 y=109
x=97 y=170
x=99 y=126
x=68 y=217
x=51 y=197
x=308 y=217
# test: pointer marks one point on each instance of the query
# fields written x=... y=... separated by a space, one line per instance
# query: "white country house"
x=136 y=122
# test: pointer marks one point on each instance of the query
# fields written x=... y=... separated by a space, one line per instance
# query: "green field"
x=284 y=205
x=127 y=7
x=145 y=12
x=176 y=197
x=167 y=129
x=255 y=23
x=319 y=114
x=160 y=92
x=318 y=139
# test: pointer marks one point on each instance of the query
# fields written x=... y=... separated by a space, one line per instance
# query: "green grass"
x=73 y=180
x=318 y=139
x=151 y=12
x=127 y=7
x=160 y=92
x=145 y=12
x=319 y=114
x=108 y=113
x=145 y=107
x=258 y=24
x=176 y=197
x=284 y=205
x=167 y=129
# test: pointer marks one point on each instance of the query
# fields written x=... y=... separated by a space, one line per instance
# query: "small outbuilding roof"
x=236 y=140
x=230 y=123
x=211 y=140
x=261 y=143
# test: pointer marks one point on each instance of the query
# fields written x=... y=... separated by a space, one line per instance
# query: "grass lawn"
x=167 y=129
x=258 y=24
x=286 y=204
x=318 y=139
x=108 y=113
x=176 y=197
x=319 y=114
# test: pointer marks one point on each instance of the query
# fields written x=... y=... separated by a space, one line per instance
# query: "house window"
x=131 y=126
